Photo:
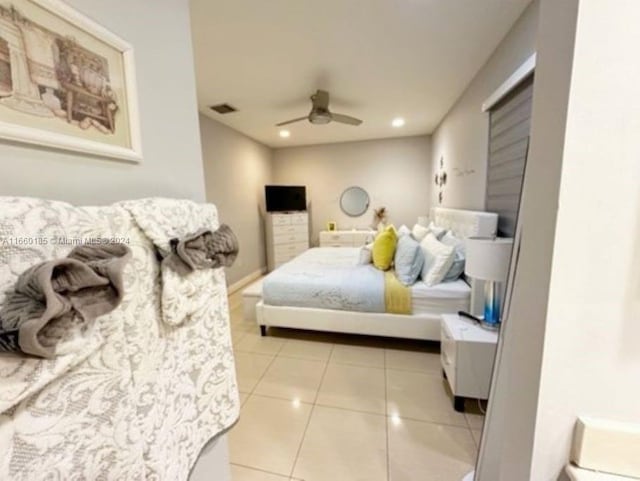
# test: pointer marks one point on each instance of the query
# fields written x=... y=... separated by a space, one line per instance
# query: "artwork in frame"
x=66 y=82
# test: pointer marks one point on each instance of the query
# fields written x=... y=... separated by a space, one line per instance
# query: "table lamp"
x=488 y=260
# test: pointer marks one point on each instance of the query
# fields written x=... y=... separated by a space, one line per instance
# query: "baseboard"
x=236 y=286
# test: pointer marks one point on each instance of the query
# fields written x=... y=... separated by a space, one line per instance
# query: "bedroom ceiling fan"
x=320 y=113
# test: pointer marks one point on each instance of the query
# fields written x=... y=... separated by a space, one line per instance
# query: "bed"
x=324 y=290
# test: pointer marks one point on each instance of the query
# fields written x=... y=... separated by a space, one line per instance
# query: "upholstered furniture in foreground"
x=142 y=397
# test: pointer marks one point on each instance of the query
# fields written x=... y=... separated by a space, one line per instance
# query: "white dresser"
x=287 y=237
x=346 y=238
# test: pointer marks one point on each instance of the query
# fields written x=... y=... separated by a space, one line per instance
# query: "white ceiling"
x=378 y=58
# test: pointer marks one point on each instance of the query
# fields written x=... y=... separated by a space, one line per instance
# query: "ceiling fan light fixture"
x=285 y=134
x=320 y=113
x=319 y=118
x=398 y=122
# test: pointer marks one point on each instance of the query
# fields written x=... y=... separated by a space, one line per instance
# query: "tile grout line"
x=315 y=403
x=253 y=468
x=470 y=430
x=351 y=410
x=386 y=413
x=315 y=399
x=262 y=376
x=370 y=413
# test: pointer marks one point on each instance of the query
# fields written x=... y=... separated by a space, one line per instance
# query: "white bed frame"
x=464 y=223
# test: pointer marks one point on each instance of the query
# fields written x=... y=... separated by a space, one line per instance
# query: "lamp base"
x=492 y=304
x=490 y=326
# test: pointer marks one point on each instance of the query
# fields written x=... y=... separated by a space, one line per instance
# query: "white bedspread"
x=326 y=278
x=330 y=278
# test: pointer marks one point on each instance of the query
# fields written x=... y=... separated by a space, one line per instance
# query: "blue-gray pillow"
x=408 y=260
x=457 y=268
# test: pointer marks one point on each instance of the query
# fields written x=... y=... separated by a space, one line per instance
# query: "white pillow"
x=366 y=254
x=437 y=231
x=419 y=232
x=403 y=230
x=438 y=258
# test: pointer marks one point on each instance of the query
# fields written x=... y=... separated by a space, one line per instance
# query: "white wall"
x=591 y=361
x=461 y=139
x=236 y=170
x=395 y=173
x=160 y=34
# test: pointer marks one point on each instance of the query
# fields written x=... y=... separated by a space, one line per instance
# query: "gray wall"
x=236 y=171
x=160 y=34
x=395 y=173
x=461 y=139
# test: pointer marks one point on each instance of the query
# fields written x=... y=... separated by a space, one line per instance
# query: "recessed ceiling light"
x=285 y=134
x=397 y=122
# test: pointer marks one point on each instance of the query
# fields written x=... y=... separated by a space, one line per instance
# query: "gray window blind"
x=510 y=124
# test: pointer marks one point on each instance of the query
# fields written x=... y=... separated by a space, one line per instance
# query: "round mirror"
x=354 y=201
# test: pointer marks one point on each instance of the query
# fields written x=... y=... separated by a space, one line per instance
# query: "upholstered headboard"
x=466 y=223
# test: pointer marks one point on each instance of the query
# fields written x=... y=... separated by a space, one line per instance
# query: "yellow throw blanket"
x=397 y=296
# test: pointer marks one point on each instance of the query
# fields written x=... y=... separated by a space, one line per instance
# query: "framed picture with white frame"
x=66 y=82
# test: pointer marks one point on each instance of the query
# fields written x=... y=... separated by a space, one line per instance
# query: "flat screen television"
x=281 y=198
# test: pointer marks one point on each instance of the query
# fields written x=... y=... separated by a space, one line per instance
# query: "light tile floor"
x=324 y=407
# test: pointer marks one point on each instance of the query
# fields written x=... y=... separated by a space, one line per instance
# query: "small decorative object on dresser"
x=345 y=238
x=287 y=236
x=467 y=352
x=332 y=226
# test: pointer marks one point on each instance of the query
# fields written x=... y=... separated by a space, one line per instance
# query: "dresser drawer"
x=290 y=237
x=336 y=239
x=291 y=229
x=280 y=219
x=448 y=356
x=294 y=249
x=300 y=219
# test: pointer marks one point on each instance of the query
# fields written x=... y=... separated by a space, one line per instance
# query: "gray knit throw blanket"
x=54 y=304
x=203 y=250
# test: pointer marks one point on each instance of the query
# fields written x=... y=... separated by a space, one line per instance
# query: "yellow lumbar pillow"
x=384 y=248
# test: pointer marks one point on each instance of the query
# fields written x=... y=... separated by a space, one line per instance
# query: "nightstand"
x=467 y=352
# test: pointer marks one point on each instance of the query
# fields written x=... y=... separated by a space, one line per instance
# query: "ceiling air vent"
x=223 y=108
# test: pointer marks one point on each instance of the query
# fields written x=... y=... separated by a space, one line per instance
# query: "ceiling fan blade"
x=345 y=119
x=292 y=121
x=320 y=100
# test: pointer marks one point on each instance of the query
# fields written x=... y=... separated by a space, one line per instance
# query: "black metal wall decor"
x=441 y=180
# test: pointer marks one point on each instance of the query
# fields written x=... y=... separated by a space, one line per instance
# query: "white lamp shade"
x=488 y=258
